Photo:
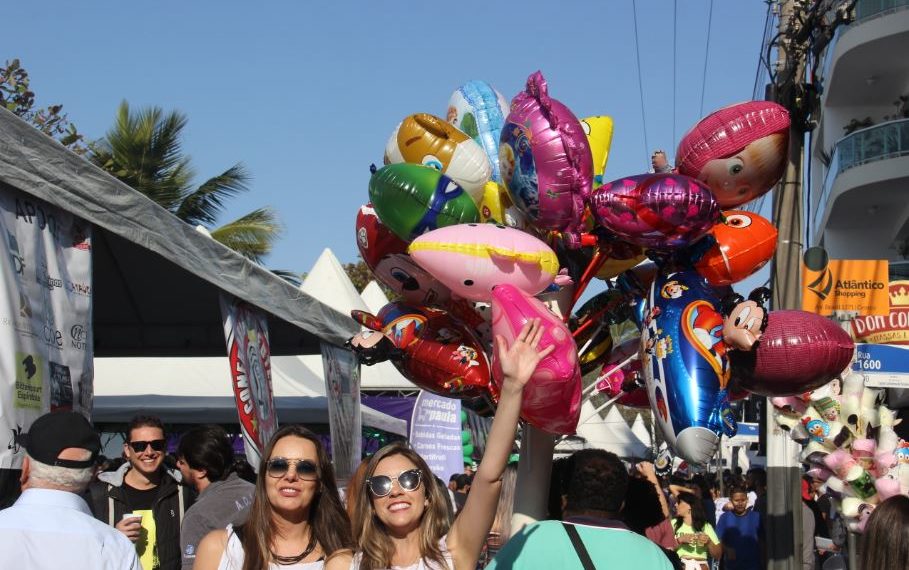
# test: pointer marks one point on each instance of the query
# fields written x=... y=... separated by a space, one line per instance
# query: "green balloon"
x=467 y=449
x=463 y=416
x=466 y=436
x=412 y=199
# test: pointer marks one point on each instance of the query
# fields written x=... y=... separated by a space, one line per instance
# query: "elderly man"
x=51 y=526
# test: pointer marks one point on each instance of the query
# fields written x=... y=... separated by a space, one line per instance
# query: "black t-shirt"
x=139 y=500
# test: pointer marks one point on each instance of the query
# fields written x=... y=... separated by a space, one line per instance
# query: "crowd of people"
x=207 y=512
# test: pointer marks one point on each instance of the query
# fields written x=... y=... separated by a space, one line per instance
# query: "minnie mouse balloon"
x=545 y=159
x=739 y=151
x=386 y=256
x=428 y=140
x=479 y=110
x=798 y=352
x=661 y=211
x=552 y=397
x=427 y=346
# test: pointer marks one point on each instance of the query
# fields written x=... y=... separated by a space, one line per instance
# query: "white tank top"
x=421 y=564
x=233 y=557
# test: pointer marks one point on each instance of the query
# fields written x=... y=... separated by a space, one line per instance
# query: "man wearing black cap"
x=51 y=526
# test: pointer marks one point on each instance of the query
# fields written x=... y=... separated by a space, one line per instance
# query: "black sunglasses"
x=156 y=444
x=279 y=466
x=380 y=485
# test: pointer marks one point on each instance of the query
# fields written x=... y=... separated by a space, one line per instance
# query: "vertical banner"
x=435 y=433
x=45 y=316
x=342 y=386
x=249 y=354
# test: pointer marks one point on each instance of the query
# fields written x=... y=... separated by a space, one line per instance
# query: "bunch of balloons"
x=848 y=442
x=500 y=214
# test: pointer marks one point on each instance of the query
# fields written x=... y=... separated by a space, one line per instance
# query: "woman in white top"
x=402 y=519
x=296 y=519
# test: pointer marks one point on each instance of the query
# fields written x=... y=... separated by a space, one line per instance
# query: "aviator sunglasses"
x=380 y=485
x=156 y=444
x=279 y=466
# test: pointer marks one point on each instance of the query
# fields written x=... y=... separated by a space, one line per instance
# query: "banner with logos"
x=890 y=329
x=45 y=316
x=342 y=386
x=249 y=355
x=435 y=433
x=848 y=285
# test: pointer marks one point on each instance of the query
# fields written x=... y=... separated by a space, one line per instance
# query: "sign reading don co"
x=849 y=285
x=892 y=328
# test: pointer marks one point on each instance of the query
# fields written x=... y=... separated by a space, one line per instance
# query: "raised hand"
x=520 y=360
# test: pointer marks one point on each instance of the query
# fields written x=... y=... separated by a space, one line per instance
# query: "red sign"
x=887 y=329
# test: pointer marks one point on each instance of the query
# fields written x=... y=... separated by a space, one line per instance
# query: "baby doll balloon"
x=738 y=151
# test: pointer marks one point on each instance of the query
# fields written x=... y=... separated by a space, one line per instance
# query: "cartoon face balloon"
x=745 y=319
x=745 y=242
x=479 y=110
x=427 y=346
x=386 y=256
x=685 y=364
x=599 y=135
x=412 y=199
x=552 y=397
x=739 y=151
x=545 y=159
x=428 y=140
x=472 y=258
x=661 y=211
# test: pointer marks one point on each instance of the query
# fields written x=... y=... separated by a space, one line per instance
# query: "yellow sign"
x=853 y=285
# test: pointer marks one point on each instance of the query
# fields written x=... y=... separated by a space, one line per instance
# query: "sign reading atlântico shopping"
x=858 y=286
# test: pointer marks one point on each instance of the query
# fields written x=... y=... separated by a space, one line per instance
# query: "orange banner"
x=854 y=285
x=890 y=329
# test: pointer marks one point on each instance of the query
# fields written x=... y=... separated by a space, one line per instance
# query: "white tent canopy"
x=198 y=390
x=613 y=433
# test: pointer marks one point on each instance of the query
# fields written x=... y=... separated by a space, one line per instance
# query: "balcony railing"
x=865 y=9
x=880 y=142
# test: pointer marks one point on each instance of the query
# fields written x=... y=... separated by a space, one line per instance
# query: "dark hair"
x=327 y=517
x=758 y=478
x=737 y=489
x=642 y=505
x=208 y=447
x=143 y=421
x=558 y=486
x=462 y=481
x=885 y=544
x=598 y=482
x=698 y=517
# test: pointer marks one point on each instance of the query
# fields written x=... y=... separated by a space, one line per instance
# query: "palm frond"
x=203 y=205
x=252 y=235
x=295 y=279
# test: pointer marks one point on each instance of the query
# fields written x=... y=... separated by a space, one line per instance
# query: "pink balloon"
x=663 y=211
x=611 y=384
x=545 y=159
x=739 y=151
x=552 y=398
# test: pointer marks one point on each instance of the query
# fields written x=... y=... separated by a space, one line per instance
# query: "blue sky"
x=305 y=94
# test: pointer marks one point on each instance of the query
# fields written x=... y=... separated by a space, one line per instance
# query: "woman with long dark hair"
x=296 y=520
x=402 y=517
x=694 y=534
x=885 y=544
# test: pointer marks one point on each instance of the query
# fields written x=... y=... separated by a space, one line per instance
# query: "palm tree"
x=143 y=149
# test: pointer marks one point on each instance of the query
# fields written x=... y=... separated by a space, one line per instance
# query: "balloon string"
x=600 y=409
x=590 y=340
x=612 y=371
x=599 y=258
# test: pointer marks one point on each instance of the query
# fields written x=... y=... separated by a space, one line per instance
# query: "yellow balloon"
x=496 y=207
x=599 y=135
x=613 y=267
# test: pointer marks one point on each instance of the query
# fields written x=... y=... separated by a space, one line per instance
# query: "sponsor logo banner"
x=849 y=285
x=342 y=386
x=435 y=433
x=887 y=329
x=45 y=358
x=249 y=355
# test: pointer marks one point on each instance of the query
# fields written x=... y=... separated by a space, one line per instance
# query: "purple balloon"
x=545 y=159
x=661 y=211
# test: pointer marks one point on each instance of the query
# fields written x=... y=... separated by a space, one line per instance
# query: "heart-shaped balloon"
x=552 y=397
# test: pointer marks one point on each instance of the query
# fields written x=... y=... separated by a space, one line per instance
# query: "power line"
x=706 y=54
x=675 y=52
x=637 y=53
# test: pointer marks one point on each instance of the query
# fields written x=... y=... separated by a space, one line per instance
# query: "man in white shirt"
x=50 y=526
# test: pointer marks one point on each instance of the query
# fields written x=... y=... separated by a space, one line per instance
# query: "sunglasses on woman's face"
x=156 y=444
x=380 y=485
x=279 y=466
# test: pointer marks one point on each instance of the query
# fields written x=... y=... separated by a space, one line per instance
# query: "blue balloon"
x=479 y=110
x=685 y=365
